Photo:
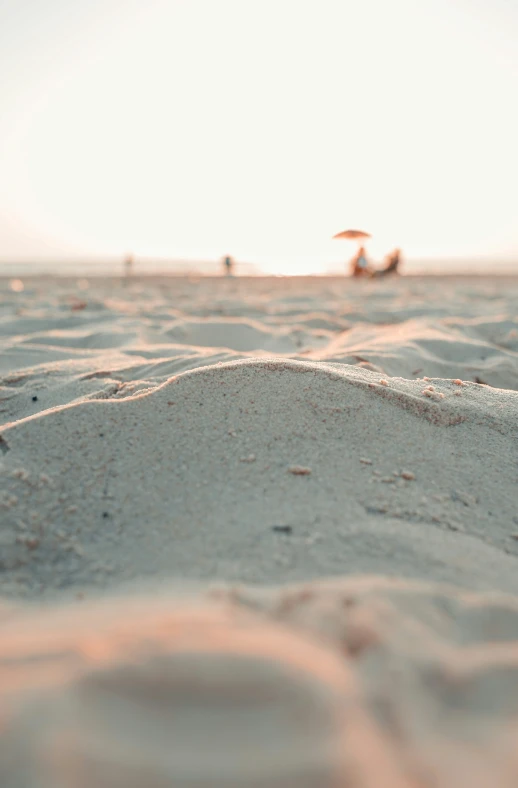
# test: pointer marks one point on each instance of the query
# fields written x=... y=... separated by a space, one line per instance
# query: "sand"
x=184 y=462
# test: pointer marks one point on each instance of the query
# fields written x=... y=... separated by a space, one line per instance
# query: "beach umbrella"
x=353 y=235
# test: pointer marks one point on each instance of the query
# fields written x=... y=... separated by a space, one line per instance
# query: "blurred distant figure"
x=228 y=265
x=359 y=264
x=392 y=263
x=129 y=263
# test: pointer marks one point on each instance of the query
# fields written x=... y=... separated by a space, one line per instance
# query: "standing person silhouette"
x=228 y=265
x=129 y=262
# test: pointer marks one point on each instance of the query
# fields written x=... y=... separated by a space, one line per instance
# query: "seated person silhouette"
x=391 y=266
x=359 y=263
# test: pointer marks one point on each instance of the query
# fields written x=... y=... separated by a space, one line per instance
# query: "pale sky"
x=259 y=128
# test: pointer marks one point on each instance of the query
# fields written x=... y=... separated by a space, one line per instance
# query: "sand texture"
x=160 y=436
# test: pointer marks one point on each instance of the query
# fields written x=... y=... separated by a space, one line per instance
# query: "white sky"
x=193 y=128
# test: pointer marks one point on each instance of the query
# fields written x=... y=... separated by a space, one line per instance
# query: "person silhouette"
x=228 y=265
x=128 y=264
x=393 y=261
x=359 y=264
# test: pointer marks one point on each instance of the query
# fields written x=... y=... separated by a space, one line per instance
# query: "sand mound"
x=265 y=470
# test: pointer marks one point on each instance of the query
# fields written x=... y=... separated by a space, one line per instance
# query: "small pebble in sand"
x=20 y=473
x=31 y=542
x=458 y=382
x=35 y=398
x=9 y=501
x=365 y=461
x=250 y=458
x=455 y=527
x=430 y=392
x=299 y=470
x=282 y=529
x=383 y=382
x=408 y=476
x=71 y=510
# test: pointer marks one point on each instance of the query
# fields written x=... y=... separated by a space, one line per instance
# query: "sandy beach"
x=285 y=503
